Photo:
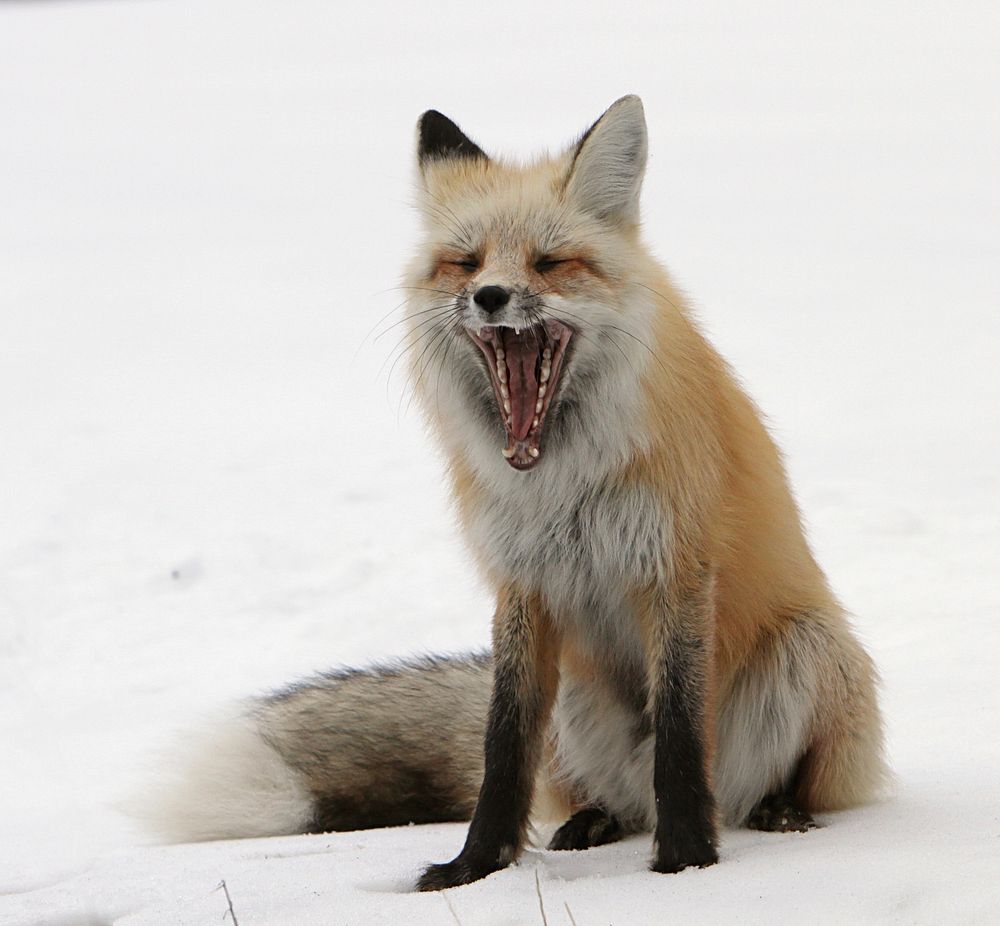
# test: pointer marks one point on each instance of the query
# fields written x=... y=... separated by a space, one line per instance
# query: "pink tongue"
x=521 y=357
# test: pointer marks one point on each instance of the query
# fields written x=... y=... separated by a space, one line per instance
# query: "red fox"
x=667 y=655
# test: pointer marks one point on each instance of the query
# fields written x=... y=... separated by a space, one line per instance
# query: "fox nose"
x=491 y=298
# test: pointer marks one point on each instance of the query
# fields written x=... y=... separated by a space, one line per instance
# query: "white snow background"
x=208 y=487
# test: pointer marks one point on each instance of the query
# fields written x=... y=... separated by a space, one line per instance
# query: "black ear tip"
x=433 y=118
x=439 y=137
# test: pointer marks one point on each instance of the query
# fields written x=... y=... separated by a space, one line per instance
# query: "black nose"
x=492 y=298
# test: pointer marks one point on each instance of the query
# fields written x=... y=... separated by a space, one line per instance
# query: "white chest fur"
x=582 y=546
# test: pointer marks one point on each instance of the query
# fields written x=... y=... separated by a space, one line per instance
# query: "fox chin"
x=667 y=654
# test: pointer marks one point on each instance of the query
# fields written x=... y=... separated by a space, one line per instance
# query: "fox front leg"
x=680 y=628
x=524 y=684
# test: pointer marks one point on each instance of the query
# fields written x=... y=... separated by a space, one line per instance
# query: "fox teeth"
x=538 y=407
x=504 y=391
x=547 y=353
x=501 y=371
x=533 y=451
x=500 y=353
x=506 y=406
x=546 y=371
x=508 y=452
x=541 y=391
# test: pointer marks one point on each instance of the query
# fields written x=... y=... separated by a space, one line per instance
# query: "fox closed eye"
x=464 y=265
x=545 y=264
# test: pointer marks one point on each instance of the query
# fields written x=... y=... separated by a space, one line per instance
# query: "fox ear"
x=438 y=138
x=608 y=163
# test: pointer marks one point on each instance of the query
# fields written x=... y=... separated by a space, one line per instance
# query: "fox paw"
x=452 y=874
x=588 y=827
x=778 y=813
x=679 y=854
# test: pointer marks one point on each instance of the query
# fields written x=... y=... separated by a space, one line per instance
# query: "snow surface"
x=212 y=485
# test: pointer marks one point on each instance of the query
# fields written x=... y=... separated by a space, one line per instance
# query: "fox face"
x=529 y=321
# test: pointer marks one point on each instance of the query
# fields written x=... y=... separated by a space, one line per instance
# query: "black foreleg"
x=524 y=683
x=679 y=624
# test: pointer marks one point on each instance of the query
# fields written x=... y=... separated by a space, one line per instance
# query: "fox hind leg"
x=844 y=765
x=799 y=728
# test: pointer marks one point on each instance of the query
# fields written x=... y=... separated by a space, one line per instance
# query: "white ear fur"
x=606 y=172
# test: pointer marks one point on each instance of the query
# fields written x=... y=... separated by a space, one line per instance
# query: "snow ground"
x=210 y=487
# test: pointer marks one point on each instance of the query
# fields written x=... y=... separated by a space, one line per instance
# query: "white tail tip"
x=223 y=781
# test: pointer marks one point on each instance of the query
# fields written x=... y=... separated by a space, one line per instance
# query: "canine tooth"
x=533 y=451
x=541 y=391
x=538 y=407
x=508 y=452
x=504 y=391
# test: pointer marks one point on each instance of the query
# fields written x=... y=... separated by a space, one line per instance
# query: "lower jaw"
x=520 y=454
x=524 y=369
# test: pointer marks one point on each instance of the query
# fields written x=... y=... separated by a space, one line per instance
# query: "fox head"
x=528 y=314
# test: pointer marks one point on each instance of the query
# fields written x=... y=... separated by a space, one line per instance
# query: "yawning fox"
x=666 y=653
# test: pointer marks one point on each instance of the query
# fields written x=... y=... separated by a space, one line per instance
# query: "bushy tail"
x=343 y=750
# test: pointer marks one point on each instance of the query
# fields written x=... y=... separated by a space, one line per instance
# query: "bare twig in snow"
x=229 y=900
x=569 y=913
x=451 y=909
x=541 y=906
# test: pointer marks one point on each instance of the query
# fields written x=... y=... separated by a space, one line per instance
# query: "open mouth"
x=524 y=365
